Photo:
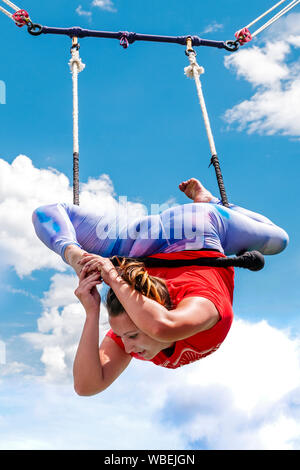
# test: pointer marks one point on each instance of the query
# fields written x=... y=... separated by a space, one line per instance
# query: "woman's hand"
x=87 y=291
x=96 y=263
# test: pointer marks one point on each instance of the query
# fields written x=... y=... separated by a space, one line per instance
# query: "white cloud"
x=61 y=291
x=50 y=417
x=213 y=27
x=82 y=12
x=286 y=26
x=272 y=432
x=23 y=188
x=104 y=5
x=59 y=328
x=264 y=352
x=234 y=399
x=12 y=290
x=245 y=396
x=13 y=368
x=263 y=67
x=273 y=72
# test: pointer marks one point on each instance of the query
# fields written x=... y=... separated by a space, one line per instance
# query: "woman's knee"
x=40 y=214
x=36 y=216
x=277 y=243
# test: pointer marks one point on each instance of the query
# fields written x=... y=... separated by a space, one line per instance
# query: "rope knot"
x=75 y=59
x=194 y=68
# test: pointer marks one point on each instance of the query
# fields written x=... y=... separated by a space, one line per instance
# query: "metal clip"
x=189 y=46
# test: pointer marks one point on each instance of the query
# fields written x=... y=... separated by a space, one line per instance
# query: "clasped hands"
x=92 y=263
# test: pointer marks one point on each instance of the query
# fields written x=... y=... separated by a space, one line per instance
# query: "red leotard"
x=215 y=284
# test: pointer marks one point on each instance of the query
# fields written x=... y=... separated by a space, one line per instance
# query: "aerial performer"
x=171 y=316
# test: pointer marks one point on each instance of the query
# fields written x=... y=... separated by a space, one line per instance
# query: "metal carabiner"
x=189 y=46
x=34 y=29
x=231 y=46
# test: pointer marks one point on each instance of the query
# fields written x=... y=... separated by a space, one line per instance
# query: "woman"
x=170 y=316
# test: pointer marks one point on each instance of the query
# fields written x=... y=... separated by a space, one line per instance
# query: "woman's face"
x=134 y=340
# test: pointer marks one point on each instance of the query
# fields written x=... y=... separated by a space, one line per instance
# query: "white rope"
x=12 y=5
x=264 y=14
x=76 y=67
x=194 y=71
x=276 y=17
x=6 y=13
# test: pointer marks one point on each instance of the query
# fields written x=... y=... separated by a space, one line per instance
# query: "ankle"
x=72 y=254
x=202 y=198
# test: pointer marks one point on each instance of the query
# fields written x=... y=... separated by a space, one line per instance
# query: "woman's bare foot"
x=193 y=189
x=73 y=254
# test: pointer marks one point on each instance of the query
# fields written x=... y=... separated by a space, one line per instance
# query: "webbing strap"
x=252 y=260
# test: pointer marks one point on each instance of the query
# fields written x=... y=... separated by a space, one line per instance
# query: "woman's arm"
x=87 y=370
x=95 y=369
x=191 y=316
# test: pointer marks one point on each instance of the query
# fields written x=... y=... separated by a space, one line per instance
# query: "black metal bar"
x=76 y=31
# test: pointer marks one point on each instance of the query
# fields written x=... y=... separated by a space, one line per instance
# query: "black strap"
x=252 y=260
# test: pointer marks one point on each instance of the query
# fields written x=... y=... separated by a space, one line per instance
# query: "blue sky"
x=141 y=134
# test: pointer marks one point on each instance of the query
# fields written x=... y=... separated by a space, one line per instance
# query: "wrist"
x=93 y=313
x=115 y=280
x=114 y=277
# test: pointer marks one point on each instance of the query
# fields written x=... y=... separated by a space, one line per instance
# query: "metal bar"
x=131 y=37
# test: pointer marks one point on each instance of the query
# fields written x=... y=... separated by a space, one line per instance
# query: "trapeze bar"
x=131 y=37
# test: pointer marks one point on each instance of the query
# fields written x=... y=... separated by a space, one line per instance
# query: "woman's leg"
x=238 y=229
x=245 y=230
x=53 y=226
x=70 y=230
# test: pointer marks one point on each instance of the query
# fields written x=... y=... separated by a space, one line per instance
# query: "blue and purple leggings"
x=193 y=226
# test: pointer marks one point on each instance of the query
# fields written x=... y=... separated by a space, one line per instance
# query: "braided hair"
x=136 y=275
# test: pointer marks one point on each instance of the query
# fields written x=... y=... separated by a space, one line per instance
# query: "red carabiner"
x=21 y=17
x=243 y=36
